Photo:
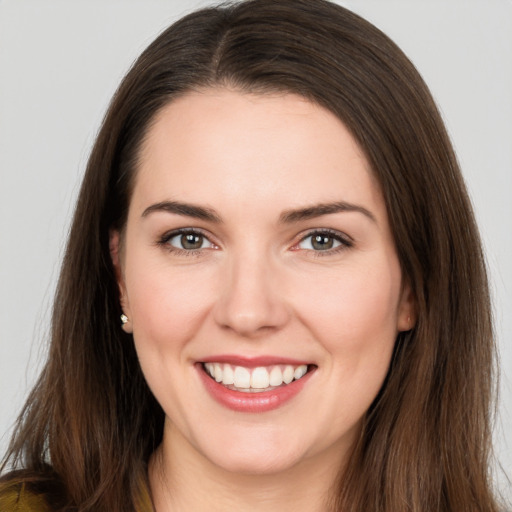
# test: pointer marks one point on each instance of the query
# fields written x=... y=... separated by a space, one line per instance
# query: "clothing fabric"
x=18 y=498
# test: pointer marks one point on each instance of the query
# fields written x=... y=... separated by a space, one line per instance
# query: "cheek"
x=167 y=305
x=354 y=310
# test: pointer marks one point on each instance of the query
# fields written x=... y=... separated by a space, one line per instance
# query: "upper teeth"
x=261 y=377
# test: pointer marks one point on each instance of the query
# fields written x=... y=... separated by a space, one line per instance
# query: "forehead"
x=221 y=147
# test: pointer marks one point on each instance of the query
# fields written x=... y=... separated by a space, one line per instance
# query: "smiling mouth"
x=255 y=380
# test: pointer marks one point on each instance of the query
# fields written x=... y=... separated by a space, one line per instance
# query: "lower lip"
x=252 y=402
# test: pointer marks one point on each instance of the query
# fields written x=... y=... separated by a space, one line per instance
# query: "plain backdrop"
x=60 y=62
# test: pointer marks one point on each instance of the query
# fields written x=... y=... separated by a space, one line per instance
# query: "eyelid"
x=163 y=240
x=345 y=240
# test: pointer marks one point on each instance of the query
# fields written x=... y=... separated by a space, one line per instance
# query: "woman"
x=273 y=294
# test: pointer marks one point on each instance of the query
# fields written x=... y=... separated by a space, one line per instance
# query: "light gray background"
x=60 y=62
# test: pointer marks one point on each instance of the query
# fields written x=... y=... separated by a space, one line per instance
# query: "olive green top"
x=17 y=498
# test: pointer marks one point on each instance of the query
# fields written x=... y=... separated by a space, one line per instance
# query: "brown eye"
x=323 y=241
x=188 y=241
x=191 y=241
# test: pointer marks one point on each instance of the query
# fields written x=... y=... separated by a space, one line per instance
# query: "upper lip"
x=253 y=362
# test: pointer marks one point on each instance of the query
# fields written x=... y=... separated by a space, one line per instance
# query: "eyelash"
x=344 y=242
x=165 y=238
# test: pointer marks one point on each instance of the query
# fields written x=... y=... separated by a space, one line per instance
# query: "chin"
x=256 y=465
x=258 y=457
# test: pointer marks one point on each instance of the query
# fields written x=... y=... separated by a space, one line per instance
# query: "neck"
x=182 y=479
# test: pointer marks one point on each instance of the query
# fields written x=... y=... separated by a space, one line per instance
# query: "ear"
x=115 y=255
x=407 y=309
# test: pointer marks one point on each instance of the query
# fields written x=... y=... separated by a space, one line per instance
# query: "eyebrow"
x=188 y=210
x=287 y=217
x=311 y=212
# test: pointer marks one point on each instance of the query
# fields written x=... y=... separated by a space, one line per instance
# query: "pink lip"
x=253 y=362
x=252 y=402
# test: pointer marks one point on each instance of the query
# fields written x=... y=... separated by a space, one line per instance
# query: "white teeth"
x=229 y=376
x=288 y=374
x=217 y=372
x=300 y=371
x=256 y=379
x=260 y=378
x=242 y=378
x=209 y=369
x=276 y=376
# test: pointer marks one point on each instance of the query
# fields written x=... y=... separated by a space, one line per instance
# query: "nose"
x=251 y=302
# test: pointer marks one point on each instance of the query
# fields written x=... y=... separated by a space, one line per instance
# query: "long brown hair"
x=91 y=423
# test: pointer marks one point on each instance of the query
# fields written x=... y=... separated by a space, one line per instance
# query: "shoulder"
x=16 y=497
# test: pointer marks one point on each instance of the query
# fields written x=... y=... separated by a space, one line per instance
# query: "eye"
x=323 y=241
x=186 y=240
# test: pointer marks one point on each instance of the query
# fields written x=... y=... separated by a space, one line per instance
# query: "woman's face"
x=257 y=248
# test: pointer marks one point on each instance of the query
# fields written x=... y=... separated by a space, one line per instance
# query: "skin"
x=257 y=287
